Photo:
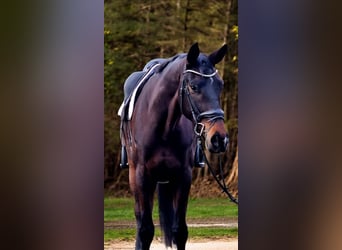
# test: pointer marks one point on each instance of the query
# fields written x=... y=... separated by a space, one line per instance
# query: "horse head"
x=200 y=97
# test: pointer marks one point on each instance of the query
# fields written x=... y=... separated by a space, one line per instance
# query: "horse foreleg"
x=143 y=191
x=179 y=228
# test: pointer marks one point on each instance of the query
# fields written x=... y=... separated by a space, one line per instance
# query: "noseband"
x=212 y=114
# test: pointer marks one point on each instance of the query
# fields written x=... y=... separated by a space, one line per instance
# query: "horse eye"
x=193 y=87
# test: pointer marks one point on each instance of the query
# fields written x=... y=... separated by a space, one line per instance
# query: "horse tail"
x=166 y=211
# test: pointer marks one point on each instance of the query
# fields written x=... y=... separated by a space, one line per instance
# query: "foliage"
x=136 y=31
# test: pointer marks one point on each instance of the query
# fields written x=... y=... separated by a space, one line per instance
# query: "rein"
x=223 y=184
x=197 y=116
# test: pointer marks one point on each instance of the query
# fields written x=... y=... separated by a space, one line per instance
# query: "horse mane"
x=169 y=60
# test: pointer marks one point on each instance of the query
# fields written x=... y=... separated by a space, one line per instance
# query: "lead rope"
x=222 y=186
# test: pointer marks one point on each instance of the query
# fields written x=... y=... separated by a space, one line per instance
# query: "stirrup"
x=123 y=160
x=199 y=155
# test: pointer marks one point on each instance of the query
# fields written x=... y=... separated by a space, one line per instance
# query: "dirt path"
x=192 y=244
x=212 y=222
x=215 y=244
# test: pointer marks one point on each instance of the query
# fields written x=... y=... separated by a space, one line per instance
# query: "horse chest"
x=165 y=167
x=164 y=158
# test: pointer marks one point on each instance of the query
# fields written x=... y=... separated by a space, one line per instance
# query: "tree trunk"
x=232 y=181
x=225 y=34
x=185 y=27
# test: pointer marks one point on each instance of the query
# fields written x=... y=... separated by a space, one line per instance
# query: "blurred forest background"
x=136 y=31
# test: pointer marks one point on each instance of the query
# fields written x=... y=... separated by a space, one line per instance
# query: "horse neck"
x=173 y=110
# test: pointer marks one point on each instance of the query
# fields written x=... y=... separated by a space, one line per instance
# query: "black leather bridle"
x=212 y=114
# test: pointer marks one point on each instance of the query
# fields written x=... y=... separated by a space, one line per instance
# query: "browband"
x=200 y=74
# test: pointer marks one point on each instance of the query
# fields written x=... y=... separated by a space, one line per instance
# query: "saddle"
x=133 y=86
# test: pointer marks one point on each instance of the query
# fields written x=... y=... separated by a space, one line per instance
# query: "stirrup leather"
x=199 y=155
x=123 y=160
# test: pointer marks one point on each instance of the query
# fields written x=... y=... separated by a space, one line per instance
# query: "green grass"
x=118 y=209
x=121 y=210
x=194 y=233
x=211 y=208
x=212 y=232
x=121 y=234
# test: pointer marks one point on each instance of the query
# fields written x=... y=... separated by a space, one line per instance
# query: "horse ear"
x=218 y=55
x=193 y=54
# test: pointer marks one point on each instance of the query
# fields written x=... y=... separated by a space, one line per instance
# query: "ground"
x=192 y=244
x=203 y=244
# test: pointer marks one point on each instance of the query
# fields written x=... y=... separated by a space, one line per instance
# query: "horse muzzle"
x=216 y=138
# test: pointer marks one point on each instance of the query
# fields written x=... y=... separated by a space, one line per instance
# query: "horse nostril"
x=219 y=143
x=225 y=143
x=215 y=141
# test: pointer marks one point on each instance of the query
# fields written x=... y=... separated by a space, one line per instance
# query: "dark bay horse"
x=179 y=103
